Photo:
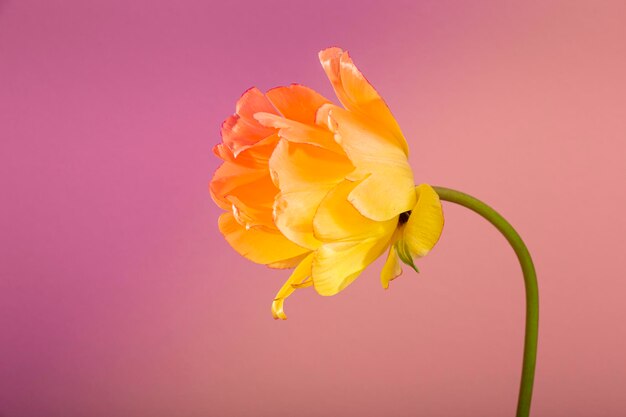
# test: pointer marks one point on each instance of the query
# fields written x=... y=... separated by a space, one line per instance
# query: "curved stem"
x=530 y=283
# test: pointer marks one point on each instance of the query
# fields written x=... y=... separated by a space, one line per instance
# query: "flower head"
x=322 y=188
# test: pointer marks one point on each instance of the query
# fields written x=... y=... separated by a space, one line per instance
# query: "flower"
x=322 y=188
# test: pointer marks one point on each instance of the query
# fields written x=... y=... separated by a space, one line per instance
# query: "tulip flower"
x=323 y=187
x=328 y=189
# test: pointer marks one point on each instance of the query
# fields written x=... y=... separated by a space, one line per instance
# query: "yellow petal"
x=387 y=188
x=357 y=94
x=293 y=215
x=425 y=223
x=392 y=268
x=288 y=263
x=258 y=244
x=351 y=241
x=298 y=279
x=304 y=174
x=337 y=219
x=338 y=264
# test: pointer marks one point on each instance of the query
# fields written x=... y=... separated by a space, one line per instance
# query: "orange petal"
x=258 y=194
x=258 y=245
x=228 y=177
x=223 y=152
x=357 y=94
x=296 y=102
x=253 y=156
x=250 y=164
x=250 y=216
x=244 y=181
x=240 y=130
x=253 y=101
x=299 y=132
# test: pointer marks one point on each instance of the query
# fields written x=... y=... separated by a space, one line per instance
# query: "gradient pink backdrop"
x=118 y=296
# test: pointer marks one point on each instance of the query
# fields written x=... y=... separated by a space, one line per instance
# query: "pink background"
x=118 y=296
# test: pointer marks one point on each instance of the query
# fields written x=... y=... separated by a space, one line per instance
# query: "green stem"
x=530 y=283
